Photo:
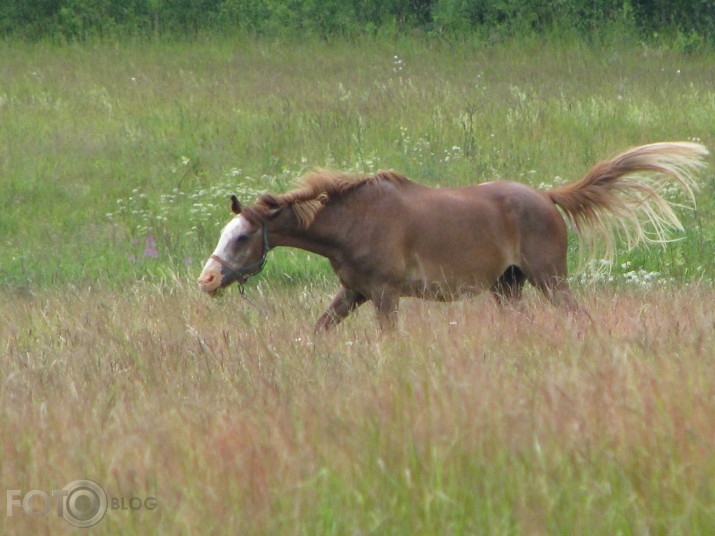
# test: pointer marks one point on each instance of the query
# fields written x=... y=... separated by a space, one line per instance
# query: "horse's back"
x=499 y=204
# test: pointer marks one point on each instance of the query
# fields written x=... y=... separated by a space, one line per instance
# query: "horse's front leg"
x=344 y=303
x=386 y=301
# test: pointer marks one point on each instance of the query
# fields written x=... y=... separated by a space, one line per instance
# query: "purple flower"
x=132 y=258
x=150 y=247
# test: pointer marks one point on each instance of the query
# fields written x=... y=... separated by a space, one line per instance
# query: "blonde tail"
x=625 y=196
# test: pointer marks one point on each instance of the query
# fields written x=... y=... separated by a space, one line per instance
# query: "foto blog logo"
x=82 y=503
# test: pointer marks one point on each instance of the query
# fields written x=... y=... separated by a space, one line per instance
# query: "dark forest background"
x=690 y=24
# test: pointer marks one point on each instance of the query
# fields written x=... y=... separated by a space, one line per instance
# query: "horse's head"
x=239 y=254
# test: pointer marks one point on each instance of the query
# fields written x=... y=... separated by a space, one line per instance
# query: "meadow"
x=116 y=162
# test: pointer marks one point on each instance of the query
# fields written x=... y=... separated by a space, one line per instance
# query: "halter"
x=242 y=274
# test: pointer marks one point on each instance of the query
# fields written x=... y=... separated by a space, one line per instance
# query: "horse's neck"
x=321 y=237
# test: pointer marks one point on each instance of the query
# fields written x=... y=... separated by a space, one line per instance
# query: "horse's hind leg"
x=554 y=284
x=344 y=303
x=548 y=273
x=508 y=287
x=556 y=289
x=559 y=293
x=543 y=257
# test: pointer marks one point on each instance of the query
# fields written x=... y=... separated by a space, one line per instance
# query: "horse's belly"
x=465 y=275
x=442 y=290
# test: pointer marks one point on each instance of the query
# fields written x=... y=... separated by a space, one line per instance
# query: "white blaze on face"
x=210 y=278
x=235 y=228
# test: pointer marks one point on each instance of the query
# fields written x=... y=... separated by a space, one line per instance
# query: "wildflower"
x=150 y=247
x=397 y=65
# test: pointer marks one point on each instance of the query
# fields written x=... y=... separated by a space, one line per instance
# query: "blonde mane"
x=317 y=187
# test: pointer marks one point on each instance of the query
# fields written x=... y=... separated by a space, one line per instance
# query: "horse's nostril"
x=208 y=280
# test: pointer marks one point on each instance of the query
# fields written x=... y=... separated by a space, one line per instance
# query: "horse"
x=387 y=237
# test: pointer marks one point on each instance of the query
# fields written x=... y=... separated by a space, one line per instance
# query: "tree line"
x=692 y=21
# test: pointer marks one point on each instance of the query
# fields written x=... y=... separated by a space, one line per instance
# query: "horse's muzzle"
x=211 y=279
x=216 y=277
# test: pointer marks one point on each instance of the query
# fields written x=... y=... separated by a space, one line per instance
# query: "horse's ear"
x=235 y=205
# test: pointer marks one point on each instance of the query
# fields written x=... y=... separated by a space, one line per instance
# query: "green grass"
x=84 y=126
x=469 y=420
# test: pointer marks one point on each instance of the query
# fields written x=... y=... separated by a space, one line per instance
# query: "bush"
x=690 y=23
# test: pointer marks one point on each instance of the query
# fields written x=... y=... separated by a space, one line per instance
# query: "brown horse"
x=387 y=237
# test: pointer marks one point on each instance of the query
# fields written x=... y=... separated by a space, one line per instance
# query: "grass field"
x=105 y=146
x=115 y=166
x=471 y=420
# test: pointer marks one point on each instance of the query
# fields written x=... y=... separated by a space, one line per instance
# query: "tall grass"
x=471 y=420
x=115 y=164
x=165 y=127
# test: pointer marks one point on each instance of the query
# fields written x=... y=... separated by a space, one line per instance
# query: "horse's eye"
x=241 y=239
